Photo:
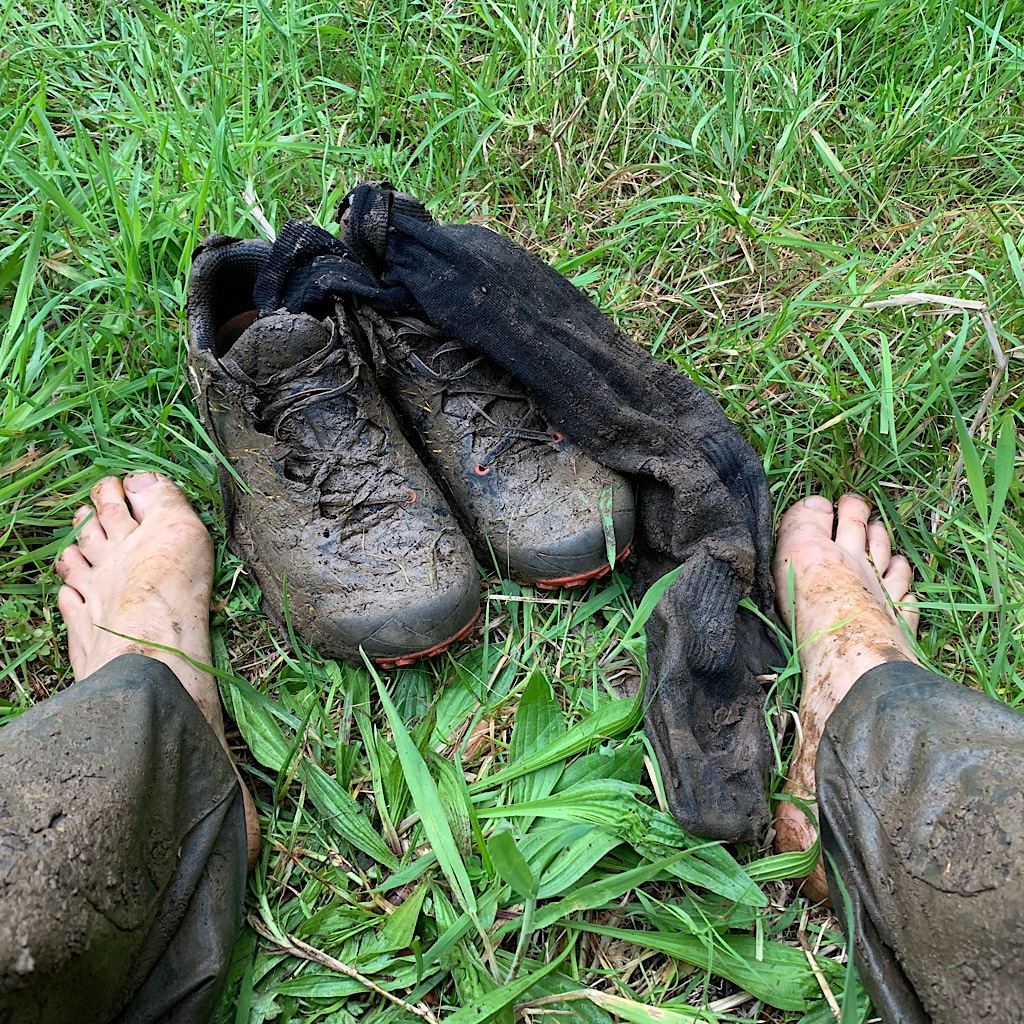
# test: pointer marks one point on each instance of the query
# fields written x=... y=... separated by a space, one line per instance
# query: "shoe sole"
x=403 y=660
x=570 y=582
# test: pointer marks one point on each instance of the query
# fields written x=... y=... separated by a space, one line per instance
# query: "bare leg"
x=143 y=569
x=845 y=580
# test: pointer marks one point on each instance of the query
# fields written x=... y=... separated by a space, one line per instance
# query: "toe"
x=909 y=612
x=805 y=531
x=804 y=526
x=898 y=577
x=111 y=509
x=71 y=564
x=879 y=545
x=150 y=492
x=69 y=602
x=92 y=538
x=852 y=523
x=73 y=609
x=810 y=519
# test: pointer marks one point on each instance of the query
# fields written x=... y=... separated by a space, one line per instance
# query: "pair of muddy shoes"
x=348 y=533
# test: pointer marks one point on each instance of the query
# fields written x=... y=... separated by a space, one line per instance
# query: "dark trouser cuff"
x=122 y=854
x=922 y=820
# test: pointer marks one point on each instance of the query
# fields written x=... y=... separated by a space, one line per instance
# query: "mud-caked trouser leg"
x=921 y=797
x=122 y=854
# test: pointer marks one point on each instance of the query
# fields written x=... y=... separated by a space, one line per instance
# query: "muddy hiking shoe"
x=338 y=520
x=533 y=505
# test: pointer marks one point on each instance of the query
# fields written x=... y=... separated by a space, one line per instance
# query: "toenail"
x=139 y=481
x=820 y=501
x=81 y=514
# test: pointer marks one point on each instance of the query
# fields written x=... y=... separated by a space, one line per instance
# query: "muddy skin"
x=845 y=582
x=143 y=568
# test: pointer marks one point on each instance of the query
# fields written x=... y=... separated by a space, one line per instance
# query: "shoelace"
x=449 y=380
x=296 y=390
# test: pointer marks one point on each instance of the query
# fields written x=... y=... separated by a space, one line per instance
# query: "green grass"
x=734 y=183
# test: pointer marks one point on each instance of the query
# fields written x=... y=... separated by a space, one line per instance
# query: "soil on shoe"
x=339 y=522
x=534 y=505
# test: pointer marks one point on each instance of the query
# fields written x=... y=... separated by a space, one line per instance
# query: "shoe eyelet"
x=481 y=470
x=557 y=437
x=415 y=496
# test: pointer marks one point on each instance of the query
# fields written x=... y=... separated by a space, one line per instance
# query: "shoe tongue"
x=274 y=343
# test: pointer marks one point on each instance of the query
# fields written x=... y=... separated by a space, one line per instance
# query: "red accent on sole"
x=569 y=582
x=409 y=659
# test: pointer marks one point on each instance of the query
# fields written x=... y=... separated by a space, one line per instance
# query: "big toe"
x=808 y=522
x=150 y=493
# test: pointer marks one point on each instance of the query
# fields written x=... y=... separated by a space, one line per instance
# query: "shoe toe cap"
x=571 y=547
x=396 y=620
x=405 y=627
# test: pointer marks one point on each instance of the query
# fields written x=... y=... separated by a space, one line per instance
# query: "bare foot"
x=143 y=568
x=845 y=580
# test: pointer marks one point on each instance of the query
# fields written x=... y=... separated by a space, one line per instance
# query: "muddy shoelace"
x=352 y=482
x=455 y=381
